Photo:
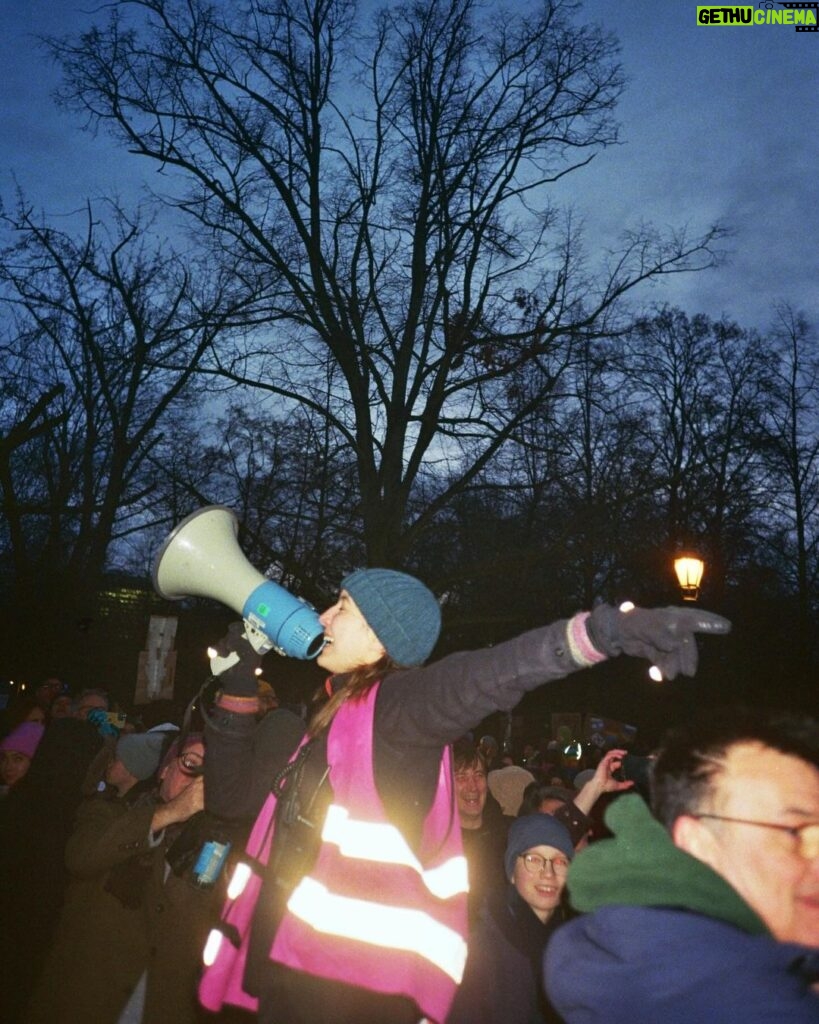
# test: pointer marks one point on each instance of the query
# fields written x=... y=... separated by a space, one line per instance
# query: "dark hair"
x=466 y=755
x=692 y=755
x=536 y=792
x=354 y=686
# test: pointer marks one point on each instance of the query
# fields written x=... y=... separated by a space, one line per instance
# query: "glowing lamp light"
x=689 y=570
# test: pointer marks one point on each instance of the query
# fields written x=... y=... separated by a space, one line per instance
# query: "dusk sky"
x=717 y=123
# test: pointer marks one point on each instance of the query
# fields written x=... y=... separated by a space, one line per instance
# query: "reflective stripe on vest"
x=381 y=842
x=400 y=928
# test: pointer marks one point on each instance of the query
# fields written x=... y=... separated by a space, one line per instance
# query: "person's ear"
x=696 y=838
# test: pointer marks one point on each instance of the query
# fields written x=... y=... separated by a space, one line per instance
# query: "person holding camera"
x=129 y=938
x=350 y=904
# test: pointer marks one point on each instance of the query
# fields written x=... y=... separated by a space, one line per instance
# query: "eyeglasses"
x=806 y=836
x=191 y=764
x=536 y=865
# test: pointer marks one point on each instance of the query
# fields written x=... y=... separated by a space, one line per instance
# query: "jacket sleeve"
x=577 y=823
x=243 y=758
x=436 y=704
x=105 y=834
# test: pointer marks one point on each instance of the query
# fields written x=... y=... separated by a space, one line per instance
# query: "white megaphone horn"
x=201 y=557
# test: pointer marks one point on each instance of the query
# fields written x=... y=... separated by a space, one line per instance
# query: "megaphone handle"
x=260 y=643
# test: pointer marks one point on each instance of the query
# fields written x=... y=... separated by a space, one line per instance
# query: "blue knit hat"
x=399 y=609
x=535 y=830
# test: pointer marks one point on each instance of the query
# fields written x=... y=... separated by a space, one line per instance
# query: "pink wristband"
x=583 y=650
x=239 y=705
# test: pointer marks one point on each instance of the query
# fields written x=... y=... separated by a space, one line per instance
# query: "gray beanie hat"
x=535 y=830
x=142 y=752
x=400 y=610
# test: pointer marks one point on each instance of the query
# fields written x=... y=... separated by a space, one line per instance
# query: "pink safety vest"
x=370 y=912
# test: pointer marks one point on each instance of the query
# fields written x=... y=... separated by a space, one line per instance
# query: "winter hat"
x=535 y=830
x=583 y=777
x=507 y=785
x=400 y=610
x=141 y=752
x=24 y=739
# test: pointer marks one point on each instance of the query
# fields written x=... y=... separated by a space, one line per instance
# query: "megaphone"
x=201 y=557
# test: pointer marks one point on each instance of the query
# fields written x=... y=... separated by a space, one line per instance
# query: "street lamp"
x=689 y=569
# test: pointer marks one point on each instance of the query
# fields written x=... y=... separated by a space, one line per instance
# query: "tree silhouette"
x=383 y=181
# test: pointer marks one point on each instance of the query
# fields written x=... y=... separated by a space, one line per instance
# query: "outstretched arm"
x=435 y=704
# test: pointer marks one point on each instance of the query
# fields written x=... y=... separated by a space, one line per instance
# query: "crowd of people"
x=375 y=859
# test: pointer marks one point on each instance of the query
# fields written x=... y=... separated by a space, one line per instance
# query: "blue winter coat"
x=649 y=965
x=666 y=940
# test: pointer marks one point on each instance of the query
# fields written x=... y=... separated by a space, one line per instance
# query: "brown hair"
x=356 y=685
x=466 y=755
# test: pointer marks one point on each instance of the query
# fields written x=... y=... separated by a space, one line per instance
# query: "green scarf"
x=641 y=866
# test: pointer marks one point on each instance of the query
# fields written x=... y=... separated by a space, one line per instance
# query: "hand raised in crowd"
x=603 y=780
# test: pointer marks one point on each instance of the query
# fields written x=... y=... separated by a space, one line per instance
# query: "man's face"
x=350 y=643
x=470 y=795
x=763 y=864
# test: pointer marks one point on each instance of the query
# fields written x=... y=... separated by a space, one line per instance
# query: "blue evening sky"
x=717 y=123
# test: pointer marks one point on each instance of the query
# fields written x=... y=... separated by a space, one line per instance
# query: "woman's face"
x=351 y=643
x=13 y=766
x=540 y=875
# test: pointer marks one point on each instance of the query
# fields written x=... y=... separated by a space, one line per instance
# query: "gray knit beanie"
x=535 y=830
x=142 y=752
x=400 y=610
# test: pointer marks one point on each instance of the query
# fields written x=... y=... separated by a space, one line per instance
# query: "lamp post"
x=689 y=570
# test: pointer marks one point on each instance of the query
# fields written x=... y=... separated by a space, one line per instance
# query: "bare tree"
x=699 y=386
x=384 y=181
x=791 y=527
x=110 y=332
x=23 y=421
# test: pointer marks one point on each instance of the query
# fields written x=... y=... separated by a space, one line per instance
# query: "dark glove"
x=239 y=678
x=665 y=636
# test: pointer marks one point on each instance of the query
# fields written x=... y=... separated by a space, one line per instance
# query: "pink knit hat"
x=24 y=739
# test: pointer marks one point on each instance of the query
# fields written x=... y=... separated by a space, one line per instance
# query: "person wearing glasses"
x=706 y=909
x=502 y=981
x=128 y=943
